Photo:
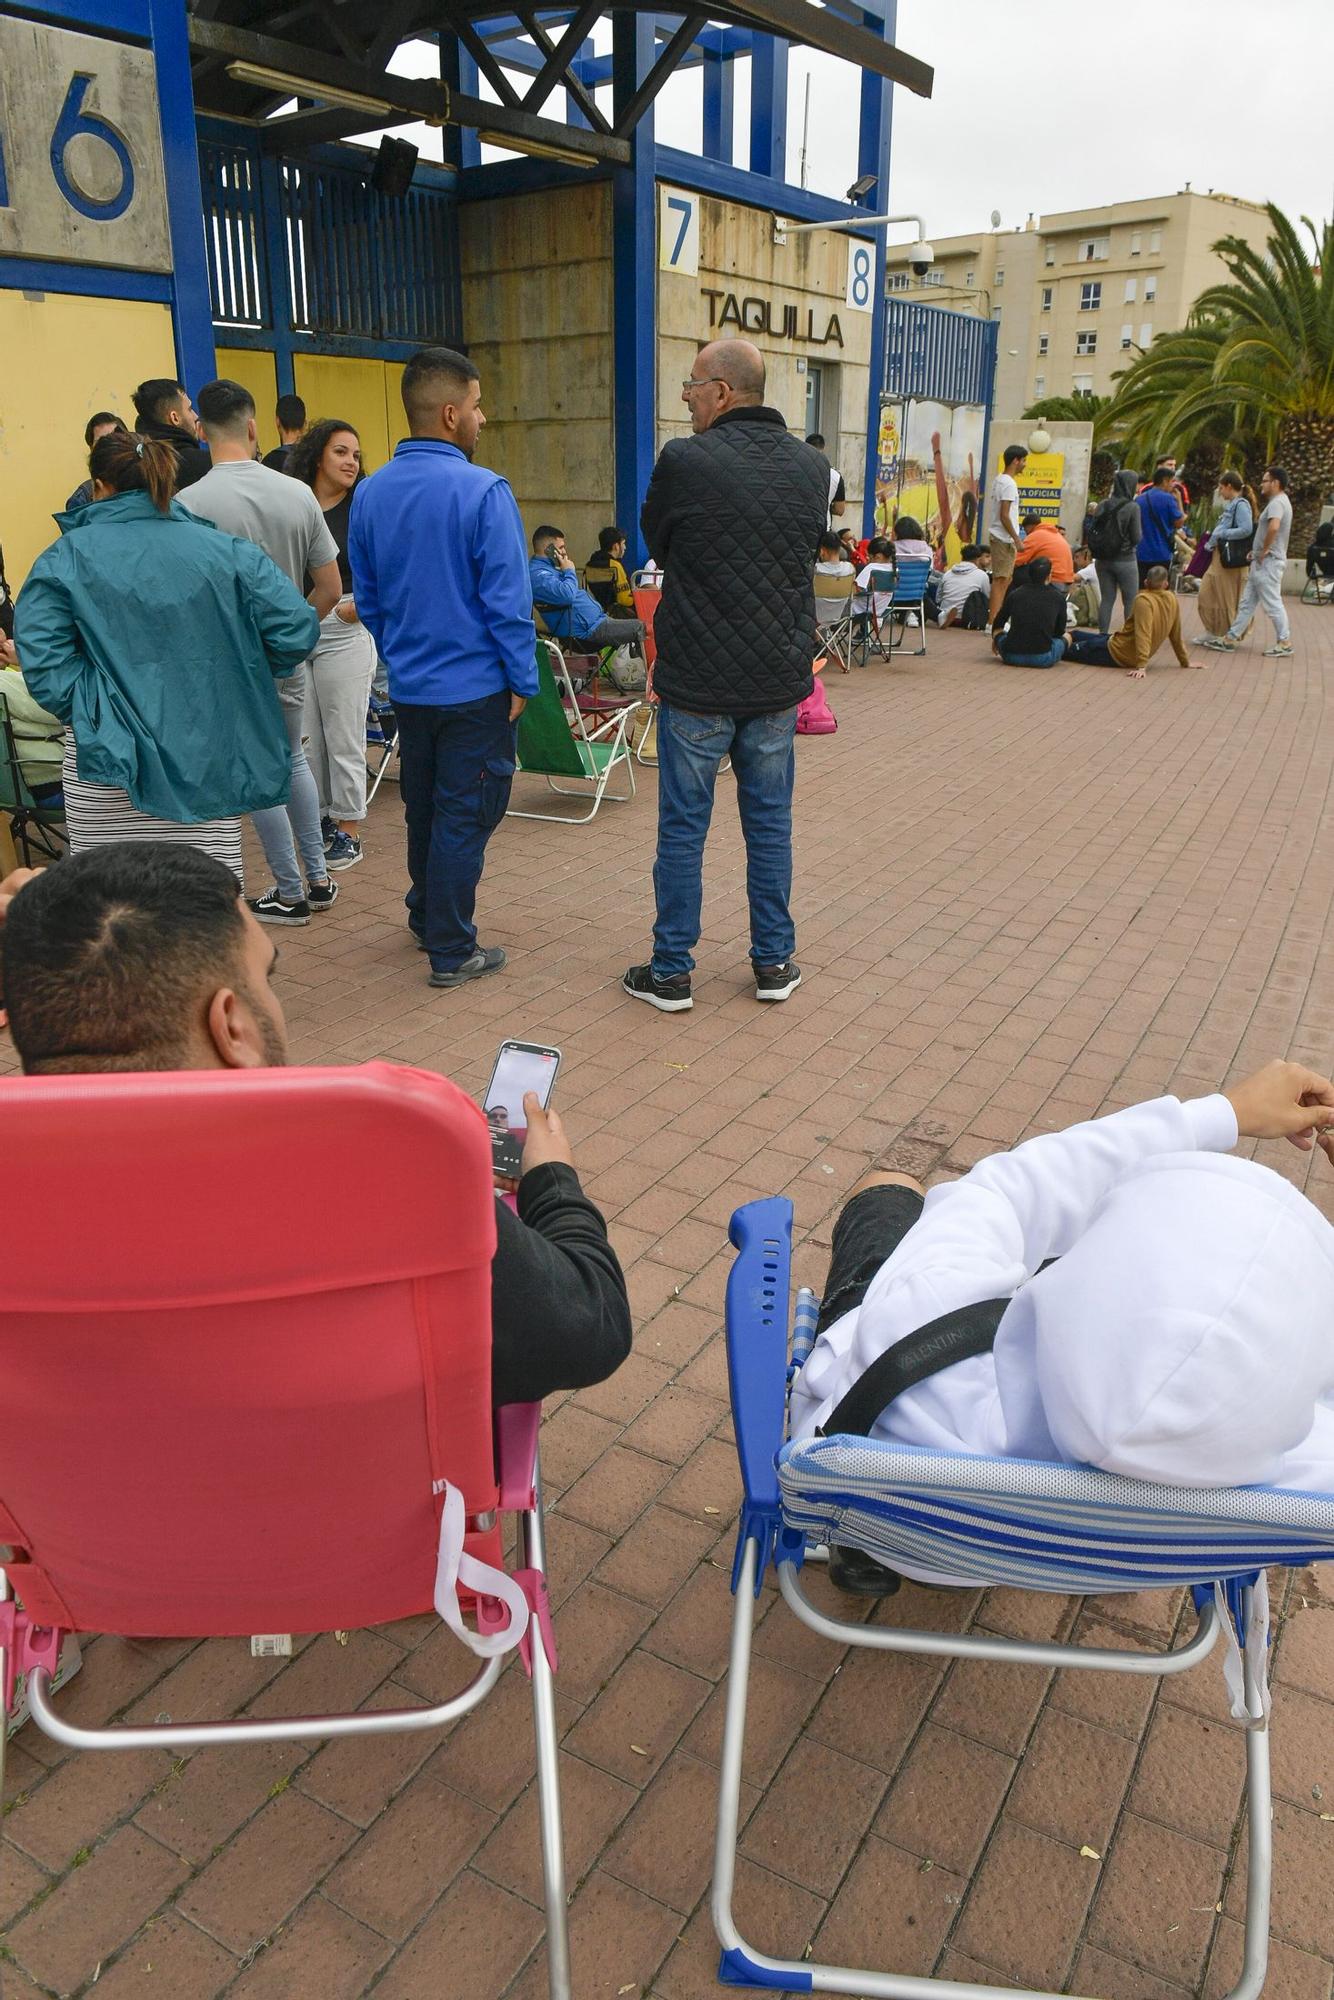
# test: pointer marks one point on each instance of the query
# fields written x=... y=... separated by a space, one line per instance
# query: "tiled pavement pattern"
x=1023 y=898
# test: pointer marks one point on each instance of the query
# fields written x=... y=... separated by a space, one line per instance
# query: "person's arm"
x=362 y=565
x=657 y=516
x=1271 y=533
x=326 y=588
x=1174 y=634
x=1009 y=523
x=289 y=628
x=46 y=637
x=560 y=1315
x=322 y=562
x=1059 y=621
x=505 y=591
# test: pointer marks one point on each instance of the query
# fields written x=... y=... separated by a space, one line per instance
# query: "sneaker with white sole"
x=486 y=958
x=322 y=895
x=1223 y=645
x=1282 y=651
x=775 y=982
x=343 y=851
x=273 y=908
x=669 y=996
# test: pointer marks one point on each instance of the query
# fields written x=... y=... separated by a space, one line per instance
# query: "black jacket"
x=192 y=460
x=735 y=517
x=1035 y=614
x=560 y=1318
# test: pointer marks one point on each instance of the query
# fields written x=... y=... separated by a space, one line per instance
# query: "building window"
x=1136 y=243
x=1092 y=249
x=1090 y=296
x=934 y=278
x=1150 y=290
x=1086 y=343
x=899 y=281
x=1127 y=335
x=1146 y=333
x=1050 y=256
x=1083 y=385
x=1046 y=298
x=1039 y=387
x=1042 y=343
x=1128 y=297
x=969 y=280
x=1000 y=276
x=1155 y=242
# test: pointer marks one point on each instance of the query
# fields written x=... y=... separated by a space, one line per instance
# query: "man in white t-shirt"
x=1264 y=585
x=958 y=584
x=1003 y=522
x=838 y=492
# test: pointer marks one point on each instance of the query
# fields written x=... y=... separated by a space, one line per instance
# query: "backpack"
x=814 y=715
x=973 y=616
x=1106 y=534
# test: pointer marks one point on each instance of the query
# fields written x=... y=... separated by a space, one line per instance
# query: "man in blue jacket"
x=438 y=570
x=570 y=612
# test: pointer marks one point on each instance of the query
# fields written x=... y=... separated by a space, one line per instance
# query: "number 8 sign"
x=81 y=178
x=861 y=275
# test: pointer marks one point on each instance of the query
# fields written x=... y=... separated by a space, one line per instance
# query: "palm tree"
x=1254 y=363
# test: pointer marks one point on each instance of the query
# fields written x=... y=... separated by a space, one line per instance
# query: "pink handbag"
x=814 y=715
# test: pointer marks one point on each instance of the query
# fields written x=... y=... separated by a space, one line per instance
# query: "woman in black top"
x=1034 y=611
x=338 y=683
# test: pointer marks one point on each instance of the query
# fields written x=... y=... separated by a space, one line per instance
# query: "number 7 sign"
x=678 y=230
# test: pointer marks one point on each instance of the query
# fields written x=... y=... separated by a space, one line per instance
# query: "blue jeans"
x=276 y=825
x=457 y=766
x=1047 y=659
x=690 y=750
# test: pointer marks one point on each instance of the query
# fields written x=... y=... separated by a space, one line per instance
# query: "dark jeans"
x=871 y=1226
x=457 y=766
x=1046 y=659
x=1090 y=649
x=690 y=750
x=614 y=632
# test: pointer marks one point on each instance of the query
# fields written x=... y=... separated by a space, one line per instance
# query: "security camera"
x=921 y=257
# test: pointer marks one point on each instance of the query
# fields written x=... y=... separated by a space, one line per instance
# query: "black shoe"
x=859 y=1574
x=322 y=895
x=488 y=958
x=271 y=908
x=775 y=982
x=671 y=996
x=328 y=828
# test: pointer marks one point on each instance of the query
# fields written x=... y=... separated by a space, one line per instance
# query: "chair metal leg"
x=533 y=1532
x=1259 y=1839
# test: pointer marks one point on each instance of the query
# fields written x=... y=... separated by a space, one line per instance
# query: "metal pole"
x=533 y=1535
x=805 y=127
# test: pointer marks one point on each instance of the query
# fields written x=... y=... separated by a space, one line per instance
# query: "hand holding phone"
x=523 y=1071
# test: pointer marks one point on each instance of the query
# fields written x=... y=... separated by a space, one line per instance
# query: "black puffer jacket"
x=192 y=458
x=735 y=517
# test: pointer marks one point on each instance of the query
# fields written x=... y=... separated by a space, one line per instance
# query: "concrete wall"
x=738 y=260
x=63 y=358
x=537 y=306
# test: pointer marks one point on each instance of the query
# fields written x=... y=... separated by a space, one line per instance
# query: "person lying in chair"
x=1122 y=1295
x=143 y=956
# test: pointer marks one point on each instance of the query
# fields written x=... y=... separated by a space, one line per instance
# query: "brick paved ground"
x=1023 y=898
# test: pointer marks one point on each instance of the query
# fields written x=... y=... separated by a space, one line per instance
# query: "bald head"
x=727 y=375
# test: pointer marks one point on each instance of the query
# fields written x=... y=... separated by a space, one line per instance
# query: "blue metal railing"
x=938 y=356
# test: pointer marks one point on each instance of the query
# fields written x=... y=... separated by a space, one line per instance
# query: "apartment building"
x=1079 y=295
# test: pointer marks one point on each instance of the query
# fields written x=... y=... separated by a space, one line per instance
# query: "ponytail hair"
x=135 y=465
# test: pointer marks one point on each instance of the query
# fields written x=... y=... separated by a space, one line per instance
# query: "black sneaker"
x=860 y=1575
x=487 y=958
x=670 y=996
x=343 y=851
x=271 y=908
x=328 y=829
x=322 y=895
x=775 y=982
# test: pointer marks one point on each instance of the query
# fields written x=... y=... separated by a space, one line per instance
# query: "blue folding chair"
x=995 y=1521
x=909 y=601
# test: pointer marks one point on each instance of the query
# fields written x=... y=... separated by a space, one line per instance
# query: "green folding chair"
x=33 y=823
x=556 y=743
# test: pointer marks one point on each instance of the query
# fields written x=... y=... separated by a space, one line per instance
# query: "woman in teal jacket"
x=157 y=639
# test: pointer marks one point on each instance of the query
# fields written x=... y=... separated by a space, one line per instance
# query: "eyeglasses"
x=701 y=381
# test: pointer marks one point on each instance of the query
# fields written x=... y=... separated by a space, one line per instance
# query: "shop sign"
x=1040 y=484
x=810 y=325
x=81 y=177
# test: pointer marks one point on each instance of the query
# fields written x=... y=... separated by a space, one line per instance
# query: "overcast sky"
x=1054 y=108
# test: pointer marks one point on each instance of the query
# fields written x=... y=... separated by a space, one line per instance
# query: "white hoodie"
x=1186 y=1334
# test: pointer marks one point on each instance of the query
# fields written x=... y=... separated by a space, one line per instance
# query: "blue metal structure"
x=937 y=356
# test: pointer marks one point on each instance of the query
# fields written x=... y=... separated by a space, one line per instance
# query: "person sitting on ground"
x=164 y=411
x=1029 y=628
x=97 y=426
x=290 y=417
x=1085 y=600
x=1046 y=538
x=1182 y=1333
x=605 y=574
x=1154 y=616
x=568 y=612
x=833 y=560
x=144 y=957
x=964 y=579
x=910 y=544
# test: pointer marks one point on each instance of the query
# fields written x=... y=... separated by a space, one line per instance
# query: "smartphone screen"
x=520 y=1067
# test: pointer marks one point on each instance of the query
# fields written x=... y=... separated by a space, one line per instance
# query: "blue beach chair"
x=995 y=1521
x=908 y=603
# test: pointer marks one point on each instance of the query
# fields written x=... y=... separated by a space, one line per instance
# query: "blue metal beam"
x=634 y=282
x=873 y=152
x=185 y=203
x=88 y=281
x=97 y=17
x=730 y=183
x=768 y=107
x=719 y=107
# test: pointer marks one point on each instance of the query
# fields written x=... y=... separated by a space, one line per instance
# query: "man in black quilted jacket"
x=734 y=515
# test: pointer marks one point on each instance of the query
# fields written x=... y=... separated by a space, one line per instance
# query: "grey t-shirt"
x=1279 y=509
x=245 y=498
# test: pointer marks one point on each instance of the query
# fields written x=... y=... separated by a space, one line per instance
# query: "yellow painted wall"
x=254 y=370
x=62 y=358
x=364 y=393
x=537 y=305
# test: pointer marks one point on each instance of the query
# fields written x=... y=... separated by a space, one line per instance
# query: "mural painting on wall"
x=927 y=461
